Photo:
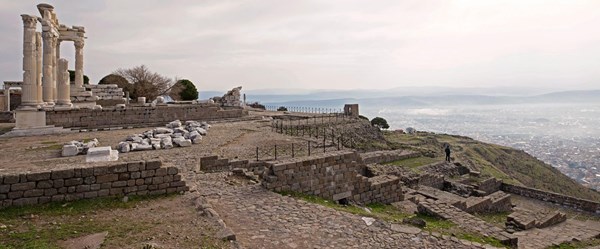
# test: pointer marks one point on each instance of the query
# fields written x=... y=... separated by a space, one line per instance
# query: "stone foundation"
x=333 y=176
x=129 y=178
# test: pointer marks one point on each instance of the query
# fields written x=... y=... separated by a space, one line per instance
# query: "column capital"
x=79 y=44
x=29 y=21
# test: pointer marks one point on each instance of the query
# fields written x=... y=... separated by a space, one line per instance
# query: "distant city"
x=565 y=136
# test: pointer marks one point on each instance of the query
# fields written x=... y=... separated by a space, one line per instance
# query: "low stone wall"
x=563 y=200
x=490 y=185
x=214 y=164
x=334 y=176
x=387 y=156
x=432 y=180
x=129 y=178
x=7 y=117
x=378 y=189
x=140 y=116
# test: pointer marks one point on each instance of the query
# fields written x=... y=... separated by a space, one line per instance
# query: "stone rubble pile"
x=231 y=98
x=174 y=134
x=107 y=92
x=75 y=148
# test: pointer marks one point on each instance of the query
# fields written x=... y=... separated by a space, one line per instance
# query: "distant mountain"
x=209 y=94
x=317 y=100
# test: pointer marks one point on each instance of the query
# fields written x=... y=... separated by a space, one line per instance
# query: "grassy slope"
x=511 y=165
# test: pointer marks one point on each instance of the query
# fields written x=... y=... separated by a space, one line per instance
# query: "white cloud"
x=331 y=44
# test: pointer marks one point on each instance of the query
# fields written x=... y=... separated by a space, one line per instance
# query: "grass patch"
x=447 y=227
x=498 y=219
x=376 y=210
x=481 y=239
x=435 y=224
x=49 y=142
x=73 y=208
x=29 y=226
x=415 y=162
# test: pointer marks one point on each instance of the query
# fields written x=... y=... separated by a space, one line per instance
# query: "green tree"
x=86 y=80
x=282 y=109
x=380 y=123
x=184 y=90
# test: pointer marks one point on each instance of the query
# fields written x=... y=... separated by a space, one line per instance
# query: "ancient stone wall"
x=334 y=176
x=378 y=189
x=432 y=180
x=139 y=116
x=567 y=201
x=387 y=156
x=214 y=164
x=107 y=92
x=7 y=117
x=123 y=178
x=490 y=185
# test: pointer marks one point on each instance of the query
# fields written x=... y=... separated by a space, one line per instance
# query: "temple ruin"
x=49 y=98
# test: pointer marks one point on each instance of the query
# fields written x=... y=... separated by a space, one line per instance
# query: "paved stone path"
x=567 y=231
x=465 y=220
x=263 y=219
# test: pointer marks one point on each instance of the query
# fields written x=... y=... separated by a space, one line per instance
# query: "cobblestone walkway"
x=570 y=230
x=263 y=219
x=465 y=220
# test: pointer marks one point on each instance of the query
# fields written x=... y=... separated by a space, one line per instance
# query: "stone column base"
x=27 y=119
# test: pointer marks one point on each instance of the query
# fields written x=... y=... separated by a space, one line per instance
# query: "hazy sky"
x=332 y=44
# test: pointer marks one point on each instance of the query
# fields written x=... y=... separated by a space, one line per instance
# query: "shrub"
x=257 y=105
x=184 y=90
x=86 y=80
x=282 y=109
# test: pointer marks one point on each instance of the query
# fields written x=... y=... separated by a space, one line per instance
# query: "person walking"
x=447 y=150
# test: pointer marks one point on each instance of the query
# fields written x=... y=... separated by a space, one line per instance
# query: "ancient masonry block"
x=133 y=178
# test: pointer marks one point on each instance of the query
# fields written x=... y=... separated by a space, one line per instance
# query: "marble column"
x=63 y=84
x=79 y=63
x=29 y=87
x=48 y=69
x=38 y=62
x=7 y=96
x=55 y=51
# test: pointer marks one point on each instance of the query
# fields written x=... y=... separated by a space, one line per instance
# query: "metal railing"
x=302 y=109
x=298 y=149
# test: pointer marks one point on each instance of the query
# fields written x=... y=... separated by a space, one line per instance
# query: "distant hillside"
x=511 y=165
x=424 y=101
